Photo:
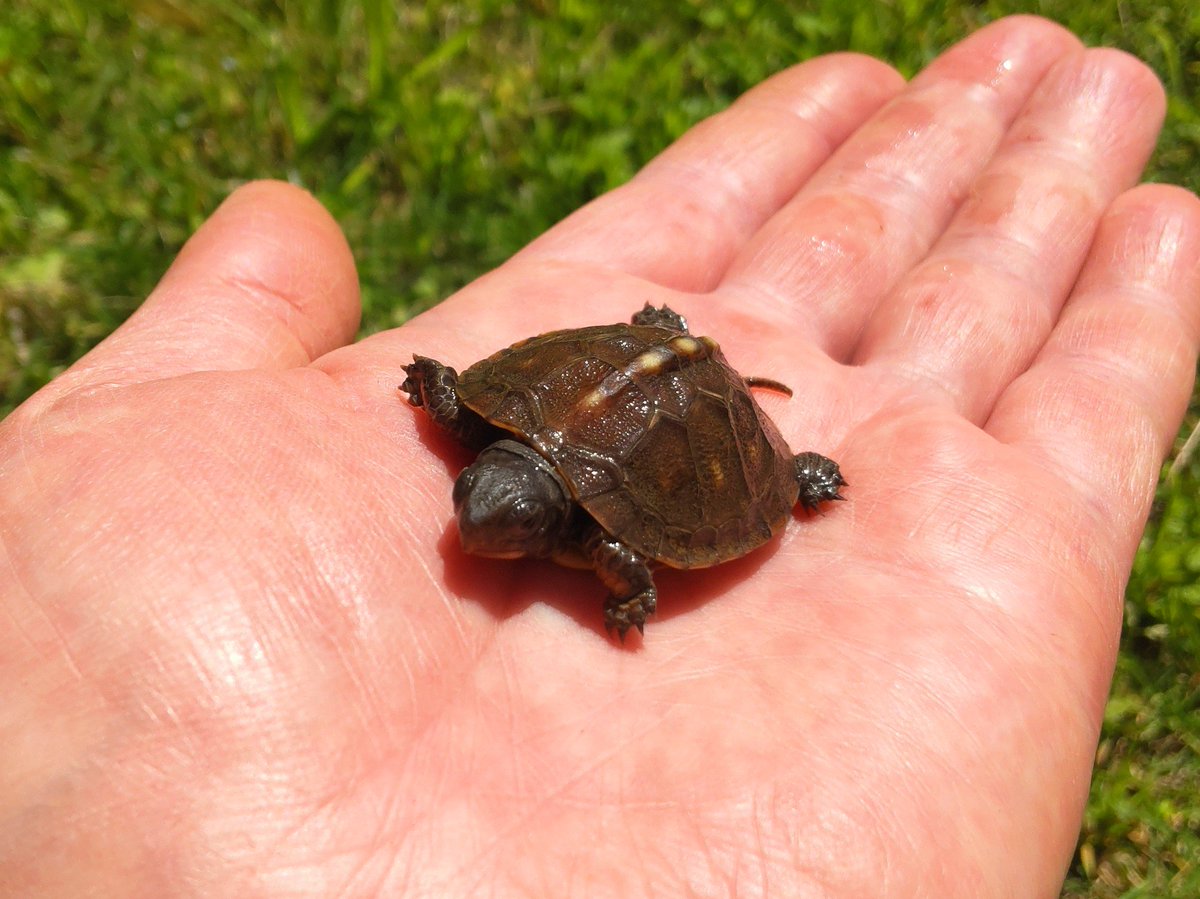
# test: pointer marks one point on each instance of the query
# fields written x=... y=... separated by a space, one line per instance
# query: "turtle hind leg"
x=434 y=387
x=819 y=479
x=661 y=317
x=632 y=597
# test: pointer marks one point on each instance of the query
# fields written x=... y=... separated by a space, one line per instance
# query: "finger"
x=267 y=282
x=681 y=219
x=1104 y=398
x=824 y=260
x=971 y=316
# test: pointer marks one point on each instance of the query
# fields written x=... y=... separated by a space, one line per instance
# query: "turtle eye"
x=527 y=516
x=462 y=486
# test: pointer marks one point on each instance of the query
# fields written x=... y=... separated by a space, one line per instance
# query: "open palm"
x=244 y=655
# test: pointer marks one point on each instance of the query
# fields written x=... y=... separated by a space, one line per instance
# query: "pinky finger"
x=1105 y=396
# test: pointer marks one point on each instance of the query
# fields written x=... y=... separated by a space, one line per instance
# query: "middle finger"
x=971 y=315
x=824 y=260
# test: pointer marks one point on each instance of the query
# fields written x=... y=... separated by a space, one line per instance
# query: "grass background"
x=443 y=136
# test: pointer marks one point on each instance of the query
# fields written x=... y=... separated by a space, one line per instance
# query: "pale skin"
x=242 y=654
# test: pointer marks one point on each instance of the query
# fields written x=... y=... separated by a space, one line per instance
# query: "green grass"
x=445 y=135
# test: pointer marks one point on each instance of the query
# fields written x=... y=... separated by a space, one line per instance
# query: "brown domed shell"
x=656 y=435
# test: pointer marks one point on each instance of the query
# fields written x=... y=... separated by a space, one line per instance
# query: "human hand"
x=244 y=656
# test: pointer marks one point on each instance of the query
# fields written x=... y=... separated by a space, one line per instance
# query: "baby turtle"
x=618 y=448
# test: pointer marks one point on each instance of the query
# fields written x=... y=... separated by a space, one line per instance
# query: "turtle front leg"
x=632 y=597
x=434 y=387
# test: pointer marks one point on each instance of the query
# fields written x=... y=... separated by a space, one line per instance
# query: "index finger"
x=683 y=217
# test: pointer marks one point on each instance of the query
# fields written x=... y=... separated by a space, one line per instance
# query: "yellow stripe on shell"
x=669 y=356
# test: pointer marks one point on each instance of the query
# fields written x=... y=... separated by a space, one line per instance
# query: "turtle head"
x=511 y=503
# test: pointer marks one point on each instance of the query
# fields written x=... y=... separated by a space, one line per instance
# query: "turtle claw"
x=819 y=480
x=660 y=317
x=434 y=387
x=621 y=615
